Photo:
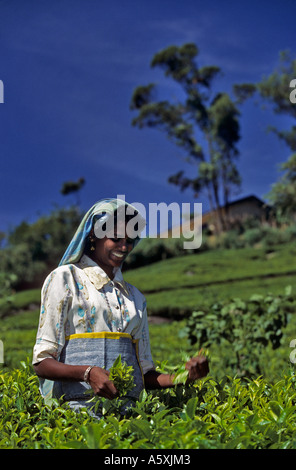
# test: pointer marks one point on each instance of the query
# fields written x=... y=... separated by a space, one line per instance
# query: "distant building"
x=238 y=211
x=235 y=212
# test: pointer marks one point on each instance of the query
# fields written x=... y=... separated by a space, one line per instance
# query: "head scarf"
x=100 y=211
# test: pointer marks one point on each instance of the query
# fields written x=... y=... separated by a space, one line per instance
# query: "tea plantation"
x=210 y=414
x=238 y=305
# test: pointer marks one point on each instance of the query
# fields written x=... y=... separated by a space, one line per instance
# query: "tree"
x=276 y=90
x=203 y=124
x=33 y=250
x=283 y=193
x=73 y=187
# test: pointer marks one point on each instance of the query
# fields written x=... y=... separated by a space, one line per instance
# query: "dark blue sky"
x=69 y=68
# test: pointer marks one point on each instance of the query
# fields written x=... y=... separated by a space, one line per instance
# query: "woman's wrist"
x=86 y=375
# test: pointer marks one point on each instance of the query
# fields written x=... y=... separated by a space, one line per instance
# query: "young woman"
x=89 y=314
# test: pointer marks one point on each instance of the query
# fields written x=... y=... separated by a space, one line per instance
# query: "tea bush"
x=235 y=407
x=209 y=414
x=25 y=421
x=6 y=292
x=246 y=328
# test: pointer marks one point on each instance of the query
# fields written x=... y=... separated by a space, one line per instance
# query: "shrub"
x=245 y=327
x=209 y=414
x=26 y=422
x=32 y=249
x=253 y=236
x=151 y=250
x=290 y=232
x=6 y=292
x=231 y=239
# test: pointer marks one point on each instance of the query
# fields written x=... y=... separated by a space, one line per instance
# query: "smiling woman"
x=90 y=315
x=110 y=248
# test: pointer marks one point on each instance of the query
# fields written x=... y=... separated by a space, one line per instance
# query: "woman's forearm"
x=154 y=379
x=98 y=378
x=55 y=370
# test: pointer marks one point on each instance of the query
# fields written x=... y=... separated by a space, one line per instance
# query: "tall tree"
x=205 y=125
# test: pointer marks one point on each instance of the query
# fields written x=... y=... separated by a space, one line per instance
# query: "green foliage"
x=247 y=327
x=26 y=422
x=218 y=266
x=226 y=412
x=248 y=234
x=122 y=376
x=232 y=408
x=151 y=250
x=176 y=286
x=6 y=292
x=73 y=187
x=33 y=249
x=209 y=414
x=275 y=90
x=179 y=373
x=283 y=193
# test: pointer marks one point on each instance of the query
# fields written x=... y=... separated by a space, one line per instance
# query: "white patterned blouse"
x=81 y=298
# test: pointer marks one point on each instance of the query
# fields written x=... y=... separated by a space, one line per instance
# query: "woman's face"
x=110 y=253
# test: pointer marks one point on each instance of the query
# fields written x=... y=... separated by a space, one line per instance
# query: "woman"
x=89 y=314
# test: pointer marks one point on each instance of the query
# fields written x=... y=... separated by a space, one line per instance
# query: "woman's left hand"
x=198 y=367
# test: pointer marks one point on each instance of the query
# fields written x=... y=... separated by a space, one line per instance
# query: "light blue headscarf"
x=102 y=211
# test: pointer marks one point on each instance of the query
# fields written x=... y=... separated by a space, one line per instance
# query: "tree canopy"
x=205 y=125
x=73 y=187
x=32 y=250
x=275 y=89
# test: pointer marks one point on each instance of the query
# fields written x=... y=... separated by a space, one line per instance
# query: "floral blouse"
x=81 y=298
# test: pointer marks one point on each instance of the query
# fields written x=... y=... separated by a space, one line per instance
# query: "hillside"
x=179 y=284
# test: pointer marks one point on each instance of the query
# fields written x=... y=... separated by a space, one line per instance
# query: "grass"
x=18 y=334
x=178 y=285
x=177 y=302
x=213 y=267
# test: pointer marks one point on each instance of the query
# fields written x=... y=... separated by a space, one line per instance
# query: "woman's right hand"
x=99 y=381
x=98 y=378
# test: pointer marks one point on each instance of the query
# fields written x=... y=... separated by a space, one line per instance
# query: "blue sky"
x=69 y=68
